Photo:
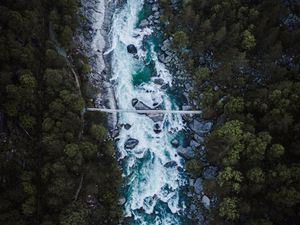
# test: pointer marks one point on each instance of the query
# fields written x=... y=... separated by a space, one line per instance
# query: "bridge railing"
x=154 y=111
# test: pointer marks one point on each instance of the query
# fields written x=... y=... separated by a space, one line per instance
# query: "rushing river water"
x=152 y=170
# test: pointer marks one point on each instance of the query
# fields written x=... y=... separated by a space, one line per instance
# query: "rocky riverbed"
x=100 y=17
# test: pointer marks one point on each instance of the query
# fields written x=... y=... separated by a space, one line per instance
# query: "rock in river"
x=170 y=164
x=159 y=81
x=157 y=128
x=132 y=49
x=134 y=101
x=140 y=105
x=175 y=143
x=156 y=117
x=131 y=143
x=127 y=126
x=144 y=23
x=186 y=153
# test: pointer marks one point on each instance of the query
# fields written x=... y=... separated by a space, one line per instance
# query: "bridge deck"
x=154 y=111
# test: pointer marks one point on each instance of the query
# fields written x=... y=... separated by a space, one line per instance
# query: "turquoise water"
x=151 y=189
x=142 y=75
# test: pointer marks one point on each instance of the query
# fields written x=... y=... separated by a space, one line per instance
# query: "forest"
x=244 y=57
x=56 y=163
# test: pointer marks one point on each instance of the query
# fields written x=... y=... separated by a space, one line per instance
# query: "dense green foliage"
x=56 y=164
x=244 y=59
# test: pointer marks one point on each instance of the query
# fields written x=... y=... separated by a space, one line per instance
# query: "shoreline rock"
x=131 y=143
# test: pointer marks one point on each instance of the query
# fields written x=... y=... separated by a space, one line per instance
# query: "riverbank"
x=96 y=41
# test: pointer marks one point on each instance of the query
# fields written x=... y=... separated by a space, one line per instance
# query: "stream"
x=152 y=170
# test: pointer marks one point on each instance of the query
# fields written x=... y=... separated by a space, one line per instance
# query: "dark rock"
x=200 y=128
x=115 y=133
x=157 y=129
x=198 y=138
x=156 y=117
x=210 y=172
x=127 y=126
x=170 y=164
x=292 y=21
x=198 y=186
x=134 y=101
x=164 y=87
x=175 y=143
x=186 y=153
x=131 y=143
x=159 y=81
x=180 y=169
x=131 y=49
x=194 y=144
x=141 y=106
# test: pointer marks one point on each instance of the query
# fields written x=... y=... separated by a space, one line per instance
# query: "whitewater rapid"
x=151 y=189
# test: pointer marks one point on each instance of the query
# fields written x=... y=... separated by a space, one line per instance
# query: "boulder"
x=164 y=87
x=159 y=81
x=206 y=201
x=186 y=153
x=175 y=143
x=198 y=186
x=156 y=117
x=194 y=144
x=127 y=126
x=190 y=194
x=141 y=106
x=134 y=101
x=210 y=172
x=155 y=8
x=144 y=23
x=115 y=133
x=198 y=138
x=200 y=128
x=170 y=164
x=131 y=143
x=157 y=128
x=131 y=49
x=191 y=182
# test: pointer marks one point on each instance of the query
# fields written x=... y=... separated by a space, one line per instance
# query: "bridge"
x=154 y=111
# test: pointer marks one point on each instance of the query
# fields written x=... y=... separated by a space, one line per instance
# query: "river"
x=152 y=170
